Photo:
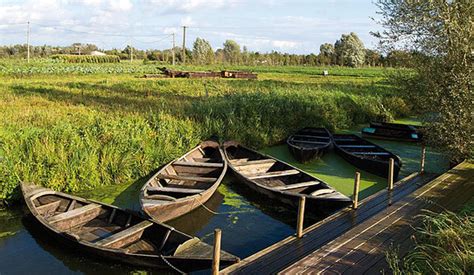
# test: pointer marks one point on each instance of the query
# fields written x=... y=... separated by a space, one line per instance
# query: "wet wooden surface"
x=349 y=234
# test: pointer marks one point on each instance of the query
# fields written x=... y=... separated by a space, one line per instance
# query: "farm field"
x=76 y=127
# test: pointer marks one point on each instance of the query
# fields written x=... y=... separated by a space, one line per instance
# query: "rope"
x=172 y=266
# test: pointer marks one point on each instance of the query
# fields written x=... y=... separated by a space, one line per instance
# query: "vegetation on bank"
x=444 y=244
x=69 y=58
x=78 y=131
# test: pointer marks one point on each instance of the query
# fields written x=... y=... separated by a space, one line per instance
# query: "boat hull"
x=306 y=154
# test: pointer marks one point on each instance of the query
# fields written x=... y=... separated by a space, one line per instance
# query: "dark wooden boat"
x=366 y=155
x=309 y=143
x=184 y=184
x=281 y=181
x=393 y=131
x=112 y=233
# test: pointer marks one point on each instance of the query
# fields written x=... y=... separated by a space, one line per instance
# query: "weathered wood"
x=308 y=136
x=74 y=217
x=253 y=162
x=71 y=205
x=297 y=185
x=355 y=200
x=125 y=237
x=217 y=251
x=422 y=161
x=300 y=221
x=274 y=174
x=391 y=164
x=175 y=190
x=186 y=178
x=308 y=141
x=49 y=208
x=198 y=164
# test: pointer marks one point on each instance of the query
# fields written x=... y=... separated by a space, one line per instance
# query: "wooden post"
x=355 y=200
x=423 y=156
x=217 y=251
x=391 y=164
x=299 y=225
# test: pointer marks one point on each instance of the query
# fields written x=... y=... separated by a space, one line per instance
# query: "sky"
x=298 y=26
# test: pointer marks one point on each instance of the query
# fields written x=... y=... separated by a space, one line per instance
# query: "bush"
x=86 y=58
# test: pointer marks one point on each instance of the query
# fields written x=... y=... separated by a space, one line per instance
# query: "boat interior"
x=108 y=227
x=274 y=174
x=361 y=148
x=192 y=174
x=311 y=137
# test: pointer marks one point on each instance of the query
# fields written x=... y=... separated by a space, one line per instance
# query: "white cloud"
x=285 y=45
x=120 y=5
x=188 y=6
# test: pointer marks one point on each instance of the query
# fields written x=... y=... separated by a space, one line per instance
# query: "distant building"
x=97 y=53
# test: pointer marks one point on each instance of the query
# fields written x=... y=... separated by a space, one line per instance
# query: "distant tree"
x=373 y=58
x=350 y=50
x=399 y=58
x=326 y=53
x=202 y=52
x=231 y=52
x=443 y=32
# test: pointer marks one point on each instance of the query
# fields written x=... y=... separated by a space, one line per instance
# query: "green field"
x=76 y=127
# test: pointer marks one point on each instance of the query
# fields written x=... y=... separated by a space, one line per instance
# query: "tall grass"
x=78 y=131
x=444 y=245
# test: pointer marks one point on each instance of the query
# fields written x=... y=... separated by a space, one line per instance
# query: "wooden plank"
x=371 y=153
x=309 y=142
x=297 y=185
x=124 y=237
x=74 y=213
x=187 y=178
x=357 y=146
x=198 y=164
x=310 y=136
x=254 y=162
x=49 y=208
x=175 y=190
x=235 y=161
x=274 y=174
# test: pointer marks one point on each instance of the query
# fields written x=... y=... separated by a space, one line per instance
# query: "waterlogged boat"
x=392 y=131
x=112 y=233
x=366 y=155
x=281 y=181
x=309 y=143
x=184 y=184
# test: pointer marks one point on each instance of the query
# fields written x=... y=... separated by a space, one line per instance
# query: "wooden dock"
x=354 y=241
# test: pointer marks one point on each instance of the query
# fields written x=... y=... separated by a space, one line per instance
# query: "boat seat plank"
x=235 y=161
x=187 y=178
x=322 y=192
x=357 y=146
x=175 y=190
x=198 y=164
x=371 y=153
x=310 y=136
x=309 y=142
x=254 y=162
x=74 y=213
x=274 y=174
x=125 y=237
x=203 y=159
x=49 y=208
x=297 y=185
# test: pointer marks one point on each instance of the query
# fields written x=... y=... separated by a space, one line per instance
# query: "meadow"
x=76 y=127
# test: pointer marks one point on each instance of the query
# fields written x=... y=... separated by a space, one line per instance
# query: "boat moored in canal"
x=112 y=233
x=309 y=143
x=393 y=131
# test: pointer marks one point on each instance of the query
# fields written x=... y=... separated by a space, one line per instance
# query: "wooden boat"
x=309 y=143
x=392 y=131
x=184 y=184
x=112 y=233
x=281 y=181
x=366 y=155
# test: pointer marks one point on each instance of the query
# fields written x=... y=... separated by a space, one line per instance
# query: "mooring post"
x=299 y=225
x=217 y=251
x=355 y=198
x=391 y=164
x=423 y=156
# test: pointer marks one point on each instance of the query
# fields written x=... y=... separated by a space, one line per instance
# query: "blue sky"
x=298 y=26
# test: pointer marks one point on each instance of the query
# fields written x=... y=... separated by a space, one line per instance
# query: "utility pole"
x=184 y=44
x=172 y=50
x=28 y=43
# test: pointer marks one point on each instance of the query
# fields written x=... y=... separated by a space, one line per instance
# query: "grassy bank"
x=76 y=129
x=444 y=245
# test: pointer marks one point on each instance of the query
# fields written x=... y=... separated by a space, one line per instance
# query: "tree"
x=350 y=50
x=373 y=58
x=231 y=52
x=326 y=53
x=202 y=52
x=442 y=31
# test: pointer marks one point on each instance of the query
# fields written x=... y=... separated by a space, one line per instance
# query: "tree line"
x=346 y=51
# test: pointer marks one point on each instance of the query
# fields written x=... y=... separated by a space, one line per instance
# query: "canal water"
x=248 y=222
